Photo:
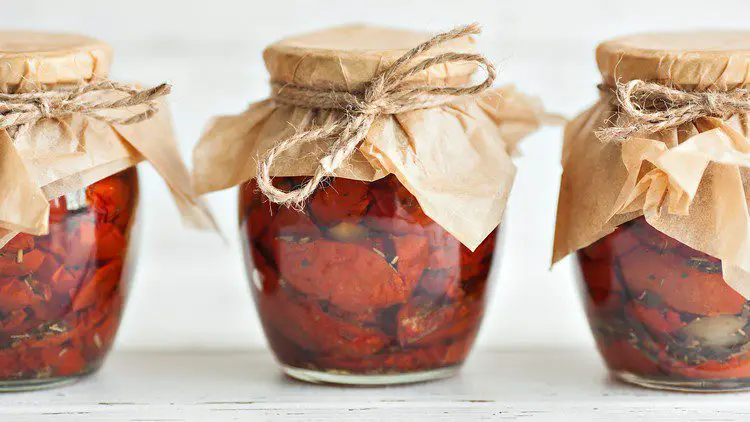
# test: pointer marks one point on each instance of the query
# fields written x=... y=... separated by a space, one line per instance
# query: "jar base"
x=685 y=385
x=343 y=378
x=14 y=386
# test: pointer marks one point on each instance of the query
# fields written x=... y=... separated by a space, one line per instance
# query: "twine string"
x=24 y=109
x=389 y=92
x=649 y=107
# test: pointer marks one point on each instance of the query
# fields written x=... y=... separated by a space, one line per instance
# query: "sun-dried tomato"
x=340 y=200
x=679 y=285
x=660 y=309
x=445 y=250
x=104 y=280
x=621 y=355
x=412 y=258
x=361 y=280
x=65 y=280
x=259 y=217
x=394 y=209
x=399 y=360
x=80 y=243
x=60 y=294
x=658 y=320
x=110 y=242
x=21 y=241
x=442 y=282
x=263 y=275
x=110 y=199
x=68 y=360
x=350 y=276
x=20 y=263
x=304 y=322
x=15 y=294
x=735 y=367
x=474 y=264
x=288 y=223
x=16 y=322
x=424 y=322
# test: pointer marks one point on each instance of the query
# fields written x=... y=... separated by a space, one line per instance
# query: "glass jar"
x=361 y=287
x=661 y=313
x=62 y=294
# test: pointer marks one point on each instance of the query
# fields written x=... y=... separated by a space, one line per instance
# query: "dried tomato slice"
x=621 y=355
x=110 y=199
x=400 y=360
x=412 y=258
x=394 y=209
x=476 y=265
x=291 y=224
x=350 y=276
x=367 y=284
x=442 y=282
x=60 y=294
x=445 y=250
x=104 y=280
x=680 y=286
x=110 y=242
x=603 y=283
x=658 y=320
x=303 y=322
x=663 y=310
x=424 y=321
x=21 y=241
x=341 y=200
x=16 y=293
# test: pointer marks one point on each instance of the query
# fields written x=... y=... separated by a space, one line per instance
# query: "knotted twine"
x=24 y=109
x=651 y=107
x=388 y=92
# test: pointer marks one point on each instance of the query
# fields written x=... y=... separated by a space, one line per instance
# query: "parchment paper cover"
x=691 y=182
x=56 y=156
x=455 y=159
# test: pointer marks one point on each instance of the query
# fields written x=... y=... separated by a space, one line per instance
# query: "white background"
x=190 y=290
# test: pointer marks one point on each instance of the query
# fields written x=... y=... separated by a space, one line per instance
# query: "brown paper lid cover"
x=28 y=57
x=699 y=59
x=346 y=57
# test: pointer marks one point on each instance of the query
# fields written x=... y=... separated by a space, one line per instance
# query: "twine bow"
x=18 y=110
x=387 y=93
x=650 y=107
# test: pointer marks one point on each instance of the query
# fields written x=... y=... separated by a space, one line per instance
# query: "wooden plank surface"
x=226 y=386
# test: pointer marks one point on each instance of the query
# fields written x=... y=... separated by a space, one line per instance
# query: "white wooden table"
x=247 y=386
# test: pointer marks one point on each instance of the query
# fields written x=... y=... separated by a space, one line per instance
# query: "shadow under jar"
x=62 y=294
x=361 y=287
x=661 y=313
